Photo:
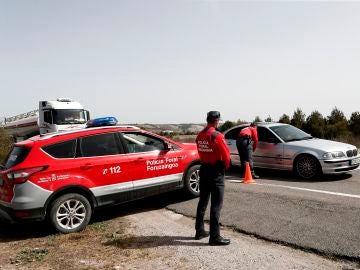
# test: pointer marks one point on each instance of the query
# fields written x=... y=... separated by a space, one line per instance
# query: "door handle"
x=138 y=160
x=181 y=157
x=86 y=166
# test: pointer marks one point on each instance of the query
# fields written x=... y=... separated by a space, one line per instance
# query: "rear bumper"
x=10 y=214
x=5 y=213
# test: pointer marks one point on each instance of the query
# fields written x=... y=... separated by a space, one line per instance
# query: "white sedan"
x=285 y=147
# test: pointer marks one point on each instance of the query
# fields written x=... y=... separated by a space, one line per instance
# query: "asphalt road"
x=322 y=215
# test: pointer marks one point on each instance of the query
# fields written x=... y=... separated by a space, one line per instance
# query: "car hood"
x=191 y=150
x=324 y=145
x=189 y=146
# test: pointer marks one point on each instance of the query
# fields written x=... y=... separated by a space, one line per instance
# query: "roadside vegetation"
x=333 y=127
x=37 y=248
x=5 y=145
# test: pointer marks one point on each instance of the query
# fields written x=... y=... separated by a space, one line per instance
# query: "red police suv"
x=65 y=176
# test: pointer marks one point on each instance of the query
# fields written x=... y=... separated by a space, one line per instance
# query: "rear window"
x=234 y=133
x=16 y=156
x=61 y=150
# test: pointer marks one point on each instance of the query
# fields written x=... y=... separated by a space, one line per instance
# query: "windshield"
x=290 y=133
x=66 y=116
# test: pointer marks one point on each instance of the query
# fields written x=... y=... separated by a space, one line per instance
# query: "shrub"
x=5 y=145
x=354 y=123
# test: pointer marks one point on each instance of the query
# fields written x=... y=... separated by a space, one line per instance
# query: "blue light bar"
x=102 y=121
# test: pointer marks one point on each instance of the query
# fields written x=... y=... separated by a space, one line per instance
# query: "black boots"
x=254 y=176
x=219 y=241
x=201 y=234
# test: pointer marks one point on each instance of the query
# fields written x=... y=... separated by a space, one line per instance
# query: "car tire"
x=307 y=167
x=192 y=180
x=70 y=213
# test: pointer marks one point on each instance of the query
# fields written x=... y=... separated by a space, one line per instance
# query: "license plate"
x=355 y=161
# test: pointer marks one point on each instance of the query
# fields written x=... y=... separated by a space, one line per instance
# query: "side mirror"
x=87 y=115
x=168 y=146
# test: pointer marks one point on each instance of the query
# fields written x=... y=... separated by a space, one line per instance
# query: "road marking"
x=313 y=190
x=235 y=181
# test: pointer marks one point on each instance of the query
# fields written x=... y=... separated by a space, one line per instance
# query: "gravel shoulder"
x=154 y=239
x=171 y=235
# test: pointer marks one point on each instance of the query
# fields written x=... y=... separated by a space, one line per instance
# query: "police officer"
x=246 y=145
x=215 y=158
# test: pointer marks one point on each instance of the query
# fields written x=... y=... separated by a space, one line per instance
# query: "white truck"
x=52 y=116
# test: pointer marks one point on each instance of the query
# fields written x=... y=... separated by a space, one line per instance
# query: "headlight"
x=331 y=155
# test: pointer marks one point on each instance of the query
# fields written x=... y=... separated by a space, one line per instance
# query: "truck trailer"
x=51 y=116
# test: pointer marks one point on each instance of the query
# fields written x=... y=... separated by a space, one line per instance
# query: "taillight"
x=21 y=176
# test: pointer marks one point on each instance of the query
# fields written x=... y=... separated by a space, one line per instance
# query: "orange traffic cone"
x=248 y=177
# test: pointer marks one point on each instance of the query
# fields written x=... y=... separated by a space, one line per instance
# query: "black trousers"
x=245 y=149
x=211 y=185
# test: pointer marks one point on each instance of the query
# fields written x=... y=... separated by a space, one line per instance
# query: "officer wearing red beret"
x=215 y=159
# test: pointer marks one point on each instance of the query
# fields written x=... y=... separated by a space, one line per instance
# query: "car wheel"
x=192 y=180
x=307 y=167
x=70 y=213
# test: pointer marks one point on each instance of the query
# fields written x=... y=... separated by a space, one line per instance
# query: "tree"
x=298 y=119
x=5 y=145
x=257 y=119
x=285 y=119
x=268 y=119
x=354 y=123
x=337 y=125
x=226 y=126
x=315 y=124
x=239 y=121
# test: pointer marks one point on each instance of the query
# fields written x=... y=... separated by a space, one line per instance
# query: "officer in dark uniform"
x=215 y=158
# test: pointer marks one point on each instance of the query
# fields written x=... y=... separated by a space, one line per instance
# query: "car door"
x=230 y=138
x=102 y=160
x=156 y=165
x=269 y=152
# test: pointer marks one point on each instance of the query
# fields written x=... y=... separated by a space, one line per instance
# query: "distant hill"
x=178 y=128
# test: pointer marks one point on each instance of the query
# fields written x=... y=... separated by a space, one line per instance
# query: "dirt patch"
x=99 y=246
x=151 y=239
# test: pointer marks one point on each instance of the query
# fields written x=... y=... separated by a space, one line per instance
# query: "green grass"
x=29 y=255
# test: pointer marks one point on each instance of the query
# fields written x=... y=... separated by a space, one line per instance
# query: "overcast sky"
x=172 y=61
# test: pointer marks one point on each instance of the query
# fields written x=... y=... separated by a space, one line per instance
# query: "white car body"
x=284 y=147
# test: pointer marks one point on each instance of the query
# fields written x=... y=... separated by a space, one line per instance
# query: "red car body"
x=65 y=176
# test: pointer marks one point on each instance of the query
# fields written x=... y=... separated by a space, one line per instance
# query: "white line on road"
x=313 y=190
x=235 y=181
